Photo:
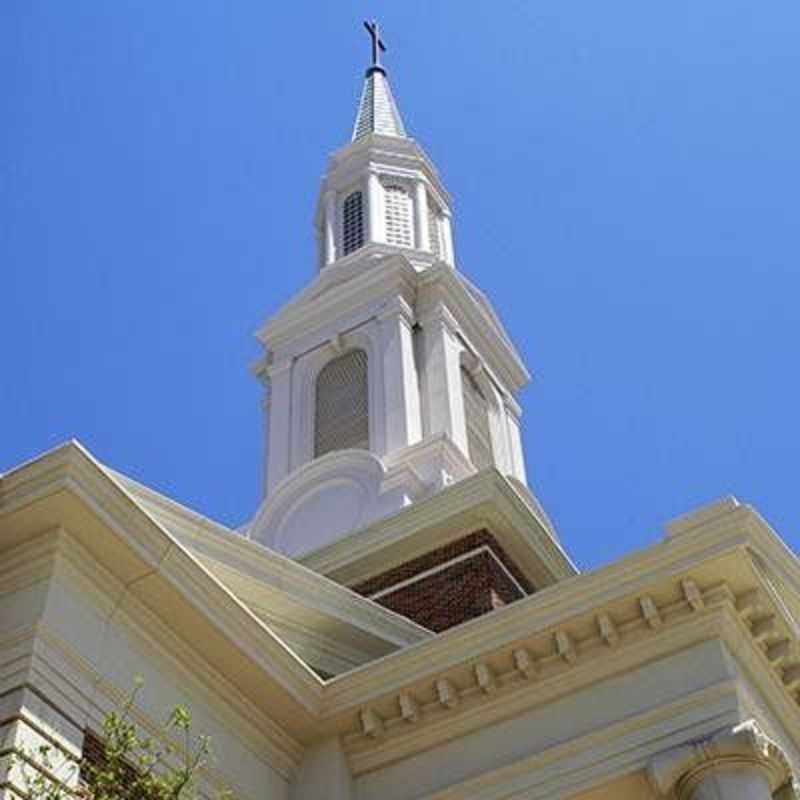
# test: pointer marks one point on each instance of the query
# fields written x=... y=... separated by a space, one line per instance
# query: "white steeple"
x=390 y=376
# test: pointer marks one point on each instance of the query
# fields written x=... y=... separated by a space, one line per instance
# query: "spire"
x=377 y=111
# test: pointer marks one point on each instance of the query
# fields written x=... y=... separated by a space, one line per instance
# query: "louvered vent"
x=433 y=230
x=476 y=412
x=398 y=217
x=341 y=410
x=352 y=223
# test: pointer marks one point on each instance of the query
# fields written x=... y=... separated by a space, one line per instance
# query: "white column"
x=733 y=764
x=330 y=227
x=403 y=424
x=280 y=408
x=375 y=212
x=422 y=233
x=443 y=398
x=447 y=236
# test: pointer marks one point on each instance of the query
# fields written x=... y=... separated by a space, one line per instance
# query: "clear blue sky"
x=625 y=178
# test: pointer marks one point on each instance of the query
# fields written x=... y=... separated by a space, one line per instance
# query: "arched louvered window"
x=433 y=230
x=476 y=412
x=341 y=405
x=352 y=222
x=398 y=217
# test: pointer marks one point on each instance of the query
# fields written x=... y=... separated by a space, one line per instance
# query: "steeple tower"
x=390 y=376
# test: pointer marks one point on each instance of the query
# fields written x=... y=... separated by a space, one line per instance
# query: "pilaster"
x=403 y=423
x=512 y=412
x=376 y=231
x=421 y=231
x=280 y=412
x=443 y=400
x=330 y=227
x=447 y=236
x=498 y=427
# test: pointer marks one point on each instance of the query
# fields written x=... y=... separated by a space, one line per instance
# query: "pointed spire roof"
x=377 y=111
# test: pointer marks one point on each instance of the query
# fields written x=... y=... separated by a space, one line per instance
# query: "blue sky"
x=625 y=178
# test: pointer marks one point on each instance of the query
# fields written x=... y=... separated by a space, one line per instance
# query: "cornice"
x=420 y=713
x=639 y=585
x=384 y=151
x=522 y=627
x=477 y=322
x=339 y=290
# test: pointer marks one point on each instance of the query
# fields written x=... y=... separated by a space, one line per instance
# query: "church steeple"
x=377 y=110
x=390 y=376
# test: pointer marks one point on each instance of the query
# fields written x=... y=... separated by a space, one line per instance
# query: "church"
x=398 y=619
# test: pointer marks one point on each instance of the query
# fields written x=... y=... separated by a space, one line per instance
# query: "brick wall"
x=455 y=592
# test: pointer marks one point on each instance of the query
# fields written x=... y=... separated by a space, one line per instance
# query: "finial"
x=378 y=46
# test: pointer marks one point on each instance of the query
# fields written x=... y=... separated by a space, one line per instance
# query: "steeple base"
x=347 y=490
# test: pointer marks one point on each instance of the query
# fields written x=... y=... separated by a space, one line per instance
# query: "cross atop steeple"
x=377 y=111
x=378 y=46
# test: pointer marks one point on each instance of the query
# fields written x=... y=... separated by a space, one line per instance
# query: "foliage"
x=132 y=766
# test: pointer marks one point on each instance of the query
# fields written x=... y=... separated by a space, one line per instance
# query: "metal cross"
x=378 y=46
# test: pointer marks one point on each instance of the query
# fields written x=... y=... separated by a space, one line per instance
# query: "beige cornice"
x=560 y=660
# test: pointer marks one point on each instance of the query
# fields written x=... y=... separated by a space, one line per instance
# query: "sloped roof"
x=328 y=626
